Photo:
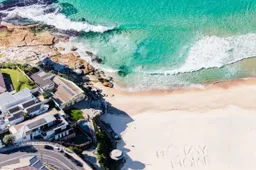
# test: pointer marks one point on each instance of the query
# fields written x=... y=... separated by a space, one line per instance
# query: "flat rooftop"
x=7 y=97
x=42 y=119
x=66 y=90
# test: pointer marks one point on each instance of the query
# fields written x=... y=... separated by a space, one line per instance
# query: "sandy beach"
x=199 y=129
x=241 y=93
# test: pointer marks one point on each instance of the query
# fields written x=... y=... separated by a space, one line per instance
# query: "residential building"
x=25 y=163
x=44 y=80
x=14 y=106
x=9 y=100
x=49 y=126
x=2 y=83
x=67 y=93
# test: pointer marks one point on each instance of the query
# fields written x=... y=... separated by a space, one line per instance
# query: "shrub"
x=76 y=114
x=9 y=139
x=46 y=95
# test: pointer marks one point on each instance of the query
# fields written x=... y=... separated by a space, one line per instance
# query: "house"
x=9 y=100
x=67 y=93
x=25 y=163
x=49 y=126
x=44 y=80
x=2 y=83
x=14 y=106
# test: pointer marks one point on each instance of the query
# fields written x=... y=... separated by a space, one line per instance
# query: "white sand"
x=198 y=129
x=222 y=139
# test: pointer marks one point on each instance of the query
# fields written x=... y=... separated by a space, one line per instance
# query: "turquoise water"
x=164 y=43
x=157 y=35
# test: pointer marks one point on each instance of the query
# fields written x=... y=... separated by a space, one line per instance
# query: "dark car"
x=48 y=147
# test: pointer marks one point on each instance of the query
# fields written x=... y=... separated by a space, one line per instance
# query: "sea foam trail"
x=46 y=15
x=216 y=52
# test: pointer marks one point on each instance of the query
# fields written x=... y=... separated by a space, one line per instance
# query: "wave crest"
x=46 y=15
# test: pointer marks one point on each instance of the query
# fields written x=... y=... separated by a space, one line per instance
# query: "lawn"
x=19 y=81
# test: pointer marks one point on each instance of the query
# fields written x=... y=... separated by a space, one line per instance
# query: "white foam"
x=213 y=51
x=59 y=20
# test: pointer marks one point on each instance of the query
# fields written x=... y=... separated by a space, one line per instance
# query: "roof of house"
x=7 y=97
x=2 y=83
x=28 y=103
x=36 y=123
x=42 y=121
x=34 y=107
x=66 y=90
x=14 y=109
x=16 y=115
x=48 y=117
x=42 y=78
x=22 y=94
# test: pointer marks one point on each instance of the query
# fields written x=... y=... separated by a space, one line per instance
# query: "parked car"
x=48 y=147
x=58 y=149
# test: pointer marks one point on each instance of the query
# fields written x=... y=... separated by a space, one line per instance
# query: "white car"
x=58 y=149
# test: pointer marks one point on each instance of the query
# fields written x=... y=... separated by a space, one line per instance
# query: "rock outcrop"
x=20 y=44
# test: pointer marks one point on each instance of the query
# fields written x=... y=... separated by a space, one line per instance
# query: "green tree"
x=9 y=139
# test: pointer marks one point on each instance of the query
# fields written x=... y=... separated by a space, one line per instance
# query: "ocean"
x=156 y=44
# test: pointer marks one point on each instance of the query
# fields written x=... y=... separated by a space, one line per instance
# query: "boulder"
x=99 y=60
x=89 y=53
x=3 y=30
x=108 y=84
x=76 y=54
x=74 y=48
x=78 y=71
x=61 y=49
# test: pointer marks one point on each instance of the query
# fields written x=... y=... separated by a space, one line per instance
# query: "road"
x=46 y=156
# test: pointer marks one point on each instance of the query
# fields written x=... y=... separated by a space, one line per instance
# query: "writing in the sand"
x=185 y=156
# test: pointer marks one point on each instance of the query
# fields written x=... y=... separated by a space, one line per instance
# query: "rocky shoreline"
x=33 y=44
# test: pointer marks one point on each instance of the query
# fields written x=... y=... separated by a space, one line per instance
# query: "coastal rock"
x=20 y=37
x=108 y=84
x=78 y=71
x=61 y=49
x=3 y=30
x=99 y=60
x=73 y=48
x=76 y=54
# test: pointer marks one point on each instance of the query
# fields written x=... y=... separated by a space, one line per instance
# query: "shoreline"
x=217 y=95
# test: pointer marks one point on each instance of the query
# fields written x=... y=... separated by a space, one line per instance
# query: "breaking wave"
x=50 y=15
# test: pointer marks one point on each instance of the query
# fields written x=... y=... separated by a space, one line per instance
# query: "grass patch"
x=75 y=114
x=19 y=81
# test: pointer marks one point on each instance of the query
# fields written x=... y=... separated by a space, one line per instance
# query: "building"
x=9 y=100
x=44 y=80
x=25 y=163
x=2 y=83
x=13 y=107
x=66 y=93
x=49 y=126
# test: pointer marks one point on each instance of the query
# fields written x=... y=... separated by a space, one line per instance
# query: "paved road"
x=46 y=156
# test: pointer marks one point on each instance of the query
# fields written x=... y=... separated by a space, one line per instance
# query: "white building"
x=8 y=100
x=14 y=106
x=49 y=126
